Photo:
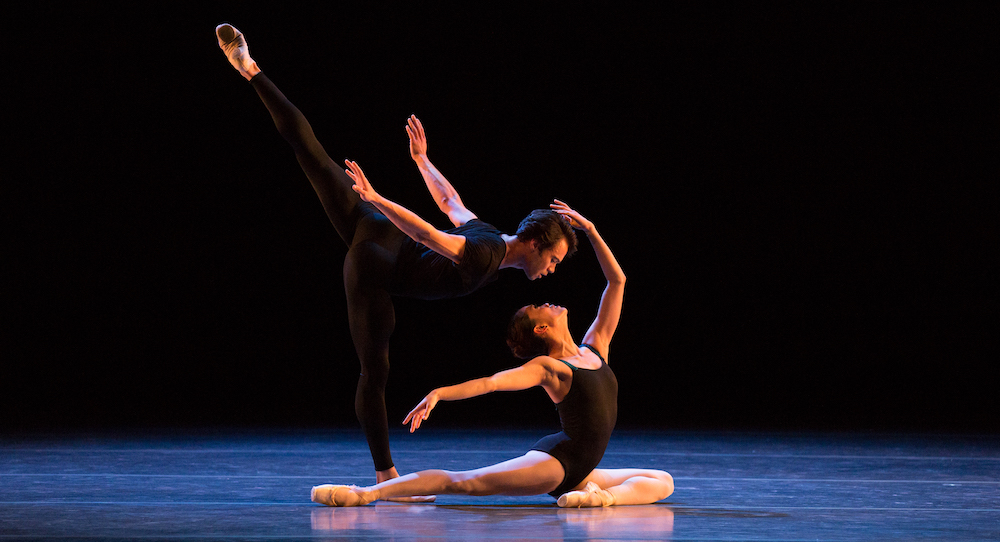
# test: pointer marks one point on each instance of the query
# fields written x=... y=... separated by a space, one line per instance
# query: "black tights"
x=373 y=243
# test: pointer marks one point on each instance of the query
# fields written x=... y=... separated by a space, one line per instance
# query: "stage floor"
x=729 y=486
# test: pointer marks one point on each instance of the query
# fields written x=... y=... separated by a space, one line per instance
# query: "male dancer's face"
x=543 y=262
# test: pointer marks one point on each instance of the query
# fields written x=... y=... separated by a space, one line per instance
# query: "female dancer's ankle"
x=368 y=495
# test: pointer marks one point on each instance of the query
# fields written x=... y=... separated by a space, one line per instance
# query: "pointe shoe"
x=590 y=496
x=335 y=495
x=234 y=45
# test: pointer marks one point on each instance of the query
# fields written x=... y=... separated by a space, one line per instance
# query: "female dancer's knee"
x=666 y=483
x=466 y=483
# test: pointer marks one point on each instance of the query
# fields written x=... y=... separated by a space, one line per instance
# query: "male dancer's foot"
x=234 y=45
x=389 y=474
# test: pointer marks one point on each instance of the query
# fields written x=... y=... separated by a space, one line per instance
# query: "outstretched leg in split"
x=531 y=474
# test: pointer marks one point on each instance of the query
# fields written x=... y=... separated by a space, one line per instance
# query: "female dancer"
x=392 y=251
x=579 y=381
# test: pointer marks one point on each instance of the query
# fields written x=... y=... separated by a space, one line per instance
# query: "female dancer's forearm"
x=466 y=390
x=609 y=264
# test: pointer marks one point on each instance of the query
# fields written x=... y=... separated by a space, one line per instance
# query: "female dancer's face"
x=547 y=314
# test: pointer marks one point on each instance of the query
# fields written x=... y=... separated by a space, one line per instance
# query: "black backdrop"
x=802 y=197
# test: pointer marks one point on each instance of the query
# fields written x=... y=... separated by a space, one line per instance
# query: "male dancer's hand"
x=418 y=141
x=361 y=184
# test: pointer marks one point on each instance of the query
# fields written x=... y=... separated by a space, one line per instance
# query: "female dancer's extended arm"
x=445 y=195
x=540 y=371
x=604 y=326
x=448 y=245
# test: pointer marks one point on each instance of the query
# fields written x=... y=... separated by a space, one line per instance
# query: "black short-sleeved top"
x=588 y=415
x=424 y=274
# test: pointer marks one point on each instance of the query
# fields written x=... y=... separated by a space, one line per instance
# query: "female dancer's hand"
x=361 y=184
x=421 y=411
x=574 y=218
x=418 y=141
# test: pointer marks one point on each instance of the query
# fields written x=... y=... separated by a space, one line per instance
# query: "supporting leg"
x=372 y=319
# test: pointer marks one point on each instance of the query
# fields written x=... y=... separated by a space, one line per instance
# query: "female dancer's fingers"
x=418 y=412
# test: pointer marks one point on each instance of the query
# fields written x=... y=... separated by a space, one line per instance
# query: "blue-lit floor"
x=729 y=486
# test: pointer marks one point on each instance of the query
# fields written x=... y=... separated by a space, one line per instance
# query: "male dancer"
x=391 y=250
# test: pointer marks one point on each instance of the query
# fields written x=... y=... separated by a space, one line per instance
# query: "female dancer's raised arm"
x=604 y=326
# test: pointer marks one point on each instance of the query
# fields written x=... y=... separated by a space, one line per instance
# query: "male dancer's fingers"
x=355 y=173
x=418 y=127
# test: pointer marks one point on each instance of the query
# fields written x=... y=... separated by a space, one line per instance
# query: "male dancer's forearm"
x=406 y=220
x=441 y=190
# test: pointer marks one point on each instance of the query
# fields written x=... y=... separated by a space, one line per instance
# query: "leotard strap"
x=591 y=348
x=594 y=350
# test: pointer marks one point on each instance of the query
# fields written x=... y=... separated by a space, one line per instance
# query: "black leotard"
x=381 y=261
x=588 y=414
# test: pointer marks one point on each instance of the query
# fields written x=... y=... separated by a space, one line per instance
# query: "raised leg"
x=330 y=181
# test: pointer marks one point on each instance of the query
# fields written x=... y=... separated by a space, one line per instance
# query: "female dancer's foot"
x=590 y=496
x=337 y=495
x=232 y=42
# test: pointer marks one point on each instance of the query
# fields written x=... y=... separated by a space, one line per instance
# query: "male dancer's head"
x=549 y=239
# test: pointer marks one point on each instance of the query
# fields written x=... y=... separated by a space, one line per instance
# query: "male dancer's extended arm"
x=446 y=244
x=444 y=194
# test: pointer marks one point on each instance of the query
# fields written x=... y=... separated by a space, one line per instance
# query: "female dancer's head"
x=535 y=329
